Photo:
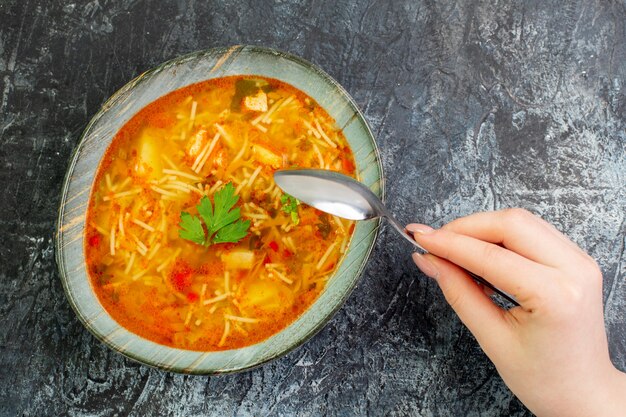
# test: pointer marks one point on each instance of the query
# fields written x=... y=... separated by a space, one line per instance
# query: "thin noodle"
x=168 y=260
x=112 y=241
x=241 y=319
x=204 y=159
x=202 y=293
x=215 y=186
x=225 y=334
x=138 y=275
x=215 y=299
x=343 y=244
x=312 y=129
x=282 y=105
x=239 y=155
x=162 y=191
x=181 y=174
x=120 y=225
x=154 y=250
x=122 y=194
x=272 y=109
x=281 y=276
x=172 y=186
x=325 y=257
x=324 y=136
x=319 y=156
x=227 y=137
x=204 y=150
x=130 y=263
x=169 y=161
x=186 y=186
x=192 y=117
x=144 y=225
x=253 y=176
x=124 y=183
x=140 y=245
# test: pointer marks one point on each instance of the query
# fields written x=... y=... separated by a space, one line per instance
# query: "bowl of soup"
x=176 y=248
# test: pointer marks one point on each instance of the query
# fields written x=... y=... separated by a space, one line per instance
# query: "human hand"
x=551 y=351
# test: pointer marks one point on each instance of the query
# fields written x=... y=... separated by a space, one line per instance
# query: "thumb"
x=482 y=317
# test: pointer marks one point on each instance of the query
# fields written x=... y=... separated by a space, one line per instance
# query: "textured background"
x=475 y=107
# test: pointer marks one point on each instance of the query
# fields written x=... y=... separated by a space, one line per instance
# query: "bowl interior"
x=120 y=108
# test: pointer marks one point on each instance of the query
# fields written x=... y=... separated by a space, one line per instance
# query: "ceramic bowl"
x=120 y=108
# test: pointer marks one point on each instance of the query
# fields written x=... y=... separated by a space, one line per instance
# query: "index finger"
x=520 y=231
x=512 y=273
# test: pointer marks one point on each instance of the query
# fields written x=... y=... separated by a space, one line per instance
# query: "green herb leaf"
x=290 y=206
x=324 y=226
x=205 y=210
x=234 y=232
x=191 y=228
x=224 y=201
x=247 y=87
x=222 y=221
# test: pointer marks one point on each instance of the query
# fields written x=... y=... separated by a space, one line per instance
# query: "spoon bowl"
x=330 y=192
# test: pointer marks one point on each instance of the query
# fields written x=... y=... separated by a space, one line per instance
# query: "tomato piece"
x=274 y=246
x=94 y=241
x=192 y=296
x=348 y=166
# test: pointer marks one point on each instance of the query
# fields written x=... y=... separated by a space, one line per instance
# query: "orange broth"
x=189 y=144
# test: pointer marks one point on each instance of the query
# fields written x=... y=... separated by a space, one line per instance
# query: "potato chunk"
x=266 y=295
x=238 y=259
x=149 y=163
x=267 y=157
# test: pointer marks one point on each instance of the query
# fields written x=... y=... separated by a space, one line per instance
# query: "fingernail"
x=422 y=229
x=425 y=265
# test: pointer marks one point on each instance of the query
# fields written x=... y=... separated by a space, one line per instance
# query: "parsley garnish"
x=290 y=206
x=221 y=224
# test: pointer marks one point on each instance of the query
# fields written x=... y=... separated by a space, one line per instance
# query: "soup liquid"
x=189 y=144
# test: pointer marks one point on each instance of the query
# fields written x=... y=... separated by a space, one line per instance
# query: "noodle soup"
x=189 y=243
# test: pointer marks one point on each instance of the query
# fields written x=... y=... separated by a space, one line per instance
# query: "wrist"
x=601 y=392
x=608 y=395
x=616 y=403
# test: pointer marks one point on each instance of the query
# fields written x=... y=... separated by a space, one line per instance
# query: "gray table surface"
x=475 y=106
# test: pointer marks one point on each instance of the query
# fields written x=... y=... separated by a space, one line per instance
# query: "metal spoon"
x=342 y=196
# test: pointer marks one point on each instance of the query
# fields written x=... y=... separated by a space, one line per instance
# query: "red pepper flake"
x=192 y=296
x=94 y=241
x=287 y=253
x=347 y=165
x=181 y=275
x=274 y=246
x=267 y=260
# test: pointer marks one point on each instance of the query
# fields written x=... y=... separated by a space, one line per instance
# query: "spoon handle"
x=400 y=229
